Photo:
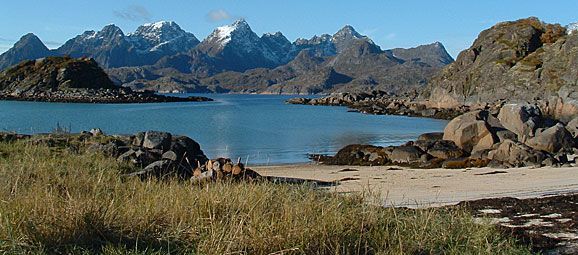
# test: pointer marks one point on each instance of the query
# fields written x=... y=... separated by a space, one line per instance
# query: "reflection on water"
x=260 y=127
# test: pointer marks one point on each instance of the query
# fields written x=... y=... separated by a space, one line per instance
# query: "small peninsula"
x=71 y=80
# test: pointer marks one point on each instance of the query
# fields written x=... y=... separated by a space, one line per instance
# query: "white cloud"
x=134 y=13
x=369 y=32
x=4 y=48
x=390 y=36
x=218 y=15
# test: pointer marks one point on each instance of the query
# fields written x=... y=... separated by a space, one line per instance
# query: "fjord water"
x=260 y=127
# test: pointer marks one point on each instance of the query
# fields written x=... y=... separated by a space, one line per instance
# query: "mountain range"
x=162 y=56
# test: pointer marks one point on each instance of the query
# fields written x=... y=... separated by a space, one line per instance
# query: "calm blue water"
x=261 y=127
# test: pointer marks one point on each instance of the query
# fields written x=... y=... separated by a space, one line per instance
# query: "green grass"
x=67 y=203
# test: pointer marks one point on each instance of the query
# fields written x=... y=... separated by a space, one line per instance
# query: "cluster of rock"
x=155 y=154
x=64 y=79
x=161 y=154
x=428 y=151
x=381 y=102
x=518 y=135
x=102 y=96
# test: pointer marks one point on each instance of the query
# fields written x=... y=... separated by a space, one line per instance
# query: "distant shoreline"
x=136 y=98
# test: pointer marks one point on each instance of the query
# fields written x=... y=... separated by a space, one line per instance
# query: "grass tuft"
x=68 y=203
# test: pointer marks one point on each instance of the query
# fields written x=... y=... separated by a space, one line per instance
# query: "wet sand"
x=399 y=186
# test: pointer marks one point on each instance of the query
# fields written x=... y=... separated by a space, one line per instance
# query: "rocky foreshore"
x=516 y=135
x=381 y=103
x=103 y=96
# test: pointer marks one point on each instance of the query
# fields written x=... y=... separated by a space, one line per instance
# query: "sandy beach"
x=399 y=186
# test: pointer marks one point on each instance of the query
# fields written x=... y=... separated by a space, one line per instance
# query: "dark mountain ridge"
x=234 y=58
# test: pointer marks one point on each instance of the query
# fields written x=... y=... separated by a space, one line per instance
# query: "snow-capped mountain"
x=110 y=47
x=239 y=48
x=161 y=50
x=572 y=28
x=162 y=36
x=278 y=45
x=238 y=34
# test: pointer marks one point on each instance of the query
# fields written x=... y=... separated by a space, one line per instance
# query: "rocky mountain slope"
x=110 y=47
x=163 y=57
x=522 y=60
x=360 y=66
x=28 y=47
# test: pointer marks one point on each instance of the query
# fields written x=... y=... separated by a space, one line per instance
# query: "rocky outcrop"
x=150 y=154
x=381 y=102
x=520 y=61
x=572 y=127
x=470 y=132
x=408 y=154
x=516 y=154
x=521 y=119
x=64 y=79
x=356 y=155
x=552 y=139
x=476 y=139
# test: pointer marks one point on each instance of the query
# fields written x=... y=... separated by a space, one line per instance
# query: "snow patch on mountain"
x=572 y=28
x=161 y=36
x=224 y=34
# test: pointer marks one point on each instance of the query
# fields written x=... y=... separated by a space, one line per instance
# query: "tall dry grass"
x=66 y=203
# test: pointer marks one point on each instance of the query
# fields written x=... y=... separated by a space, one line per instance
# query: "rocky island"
x=65 y=79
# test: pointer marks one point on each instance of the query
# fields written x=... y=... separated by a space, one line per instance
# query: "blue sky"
x=390 y=24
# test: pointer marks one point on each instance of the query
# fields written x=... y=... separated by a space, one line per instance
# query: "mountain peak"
x=29 y=38
x=31 y=42
x=276 y=34
x=111 y=27
x=165 y=36
x=28 y=47
x=161 y=31
x=110 y=30
x=240 y=23
x=224 y=34
x=348 y=31
x=160 y=24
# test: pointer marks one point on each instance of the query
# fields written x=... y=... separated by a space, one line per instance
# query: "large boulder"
x=445 y=150
x=406 y=155
x=572 y=127
x=522 y=119
x=157 y=140
x=516 y=154
x=188 y=150
x=552 y=139
x=436 y=136
x=357 y=154
x=470 y=131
